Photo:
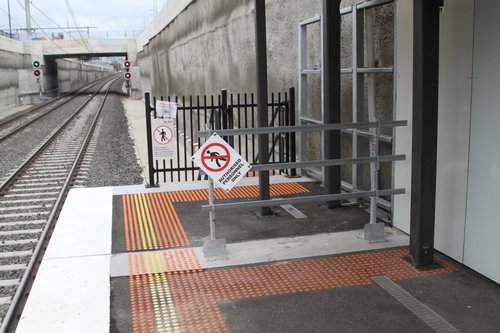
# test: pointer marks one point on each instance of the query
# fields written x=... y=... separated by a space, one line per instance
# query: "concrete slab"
x=465 y=298
x=71 y=290
x=162 y=220
x=276 y=249
x=324 y=294
x=303 y=283
x=69 y=295
x=352 y=310
x=84 y=227
x=135 y=112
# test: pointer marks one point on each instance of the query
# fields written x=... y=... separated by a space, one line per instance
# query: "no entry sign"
x=163 y=138
x=221 y=162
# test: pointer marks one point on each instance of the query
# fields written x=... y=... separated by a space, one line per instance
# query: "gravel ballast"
x=114 y=162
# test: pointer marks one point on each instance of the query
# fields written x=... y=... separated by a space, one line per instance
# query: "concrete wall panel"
x=74 y=74
x=210 y=45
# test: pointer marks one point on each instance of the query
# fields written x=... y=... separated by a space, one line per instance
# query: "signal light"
x=126 y=64
x=127 y=76
x=36 y=63
x=37 y=72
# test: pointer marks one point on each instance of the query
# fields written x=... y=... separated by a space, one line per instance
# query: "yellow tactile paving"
x=196 y=294
x=151 y=222
x=151 y=300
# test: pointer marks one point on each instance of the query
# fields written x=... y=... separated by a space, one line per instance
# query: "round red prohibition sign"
x=163 y=135
x=218 y=159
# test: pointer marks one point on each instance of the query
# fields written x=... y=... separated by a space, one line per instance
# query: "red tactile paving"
x=196 y=294
x=151 y=222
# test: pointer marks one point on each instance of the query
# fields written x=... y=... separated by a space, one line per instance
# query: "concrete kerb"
x=134 y=111
x=6 y=111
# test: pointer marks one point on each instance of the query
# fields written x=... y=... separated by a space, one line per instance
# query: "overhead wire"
x=87 y=44
x=13 y=19
x=43 y=31
x=36 y=7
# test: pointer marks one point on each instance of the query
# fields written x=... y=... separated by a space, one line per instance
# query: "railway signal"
x=126 y=65
x=36 y=68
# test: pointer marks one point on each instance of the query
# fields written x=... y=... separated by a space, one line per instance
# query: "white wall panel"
x=455 y=75
x=482 y=232
x=403 y=62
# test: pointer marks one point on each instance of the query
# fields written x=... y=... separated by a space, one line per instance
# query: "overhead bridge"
x=103 y=47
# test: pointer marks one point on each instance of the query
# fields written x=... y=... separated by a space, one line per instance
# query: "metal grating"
x=431 y=318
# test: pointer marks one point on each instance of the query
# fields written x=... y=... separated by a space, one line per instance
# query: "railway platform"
x=130 y=259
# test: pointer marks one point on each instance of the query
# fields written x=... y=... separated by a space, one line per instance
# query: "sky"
x=113 y=17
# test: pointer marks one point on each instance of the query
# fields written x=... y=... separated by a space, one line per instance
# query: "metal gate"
x=223 y=111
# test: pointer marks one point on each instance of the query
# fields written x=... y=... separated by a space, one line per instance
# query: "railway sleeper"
x=32 y=224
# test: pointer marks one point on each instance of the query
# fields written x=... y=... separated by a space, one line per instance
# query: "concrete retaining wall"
x=73 y=74
x=210 y=45
x=12 y=62
x=18 y=85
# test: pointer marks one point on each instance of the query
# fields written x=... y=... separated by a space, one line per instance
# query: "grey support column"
x=262 y=116
x=331 y=82
x=425 y=122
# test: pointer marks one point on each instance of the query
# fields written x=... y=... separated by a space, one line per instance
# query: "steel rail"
x=15 y=307
x=53 y=100
x=51 y=137
x=21 y=127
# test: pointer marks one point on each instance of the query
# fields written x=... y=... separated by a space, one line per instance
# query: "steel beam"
x=331 y=88
x=307 y=128
x=425 y=122
x=262 y=116
x=301 y=200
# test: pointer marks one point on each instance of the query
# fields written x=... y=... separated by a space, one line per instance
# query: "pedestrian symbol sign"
x=221 y=162
x=164 y=142
x=163 y=134
x=215 y=157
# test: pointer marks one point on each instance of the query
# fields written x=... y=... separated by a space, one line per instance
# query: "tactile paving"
x=196 y=294
x=151 y=222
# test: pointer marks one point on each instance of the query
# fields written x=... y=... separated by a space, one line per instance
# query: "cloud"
x=106 y=15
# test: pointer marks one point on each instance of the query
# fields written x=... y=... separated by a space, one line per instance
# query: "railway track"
x=31 y=198
x=14 y=124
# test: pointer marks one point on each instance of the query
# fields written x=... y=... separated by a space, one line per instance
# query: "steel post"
x=211 y=202
x=223 y=108
x=293 y=146
x=331 y=102
x=151 y=169
x=424 y=137
x=262 y=113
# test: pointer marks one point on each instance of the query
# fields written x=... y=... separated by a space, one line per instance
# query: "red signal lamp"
x=127 y=76
x=37 y=72
x=126 y=64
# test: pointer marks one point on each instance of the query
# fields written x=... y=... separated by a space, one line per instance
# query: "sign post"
x=226 y=167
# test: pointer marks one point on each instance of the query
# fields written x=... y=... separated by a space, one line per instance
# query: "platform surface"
x=129 y=259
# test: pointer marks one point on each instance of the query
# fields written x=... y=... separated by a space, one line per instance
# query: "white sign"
x=166 y=109
x=163 y=138
x=221 y=162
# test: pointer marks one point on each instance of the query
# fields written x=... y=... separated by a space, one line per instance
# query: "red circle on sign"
x=225 y=157
x=167 y=139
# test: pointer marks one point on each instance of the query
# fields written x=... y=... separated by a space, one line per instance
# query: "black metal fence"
x=224 y=111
